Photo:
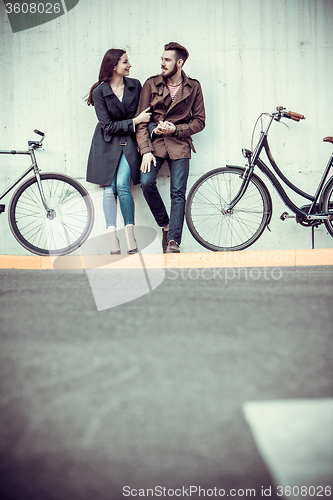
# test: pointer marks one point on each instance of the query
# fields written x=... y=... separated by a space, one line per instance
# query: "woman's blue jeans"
x=179 y=170
x=120 y=187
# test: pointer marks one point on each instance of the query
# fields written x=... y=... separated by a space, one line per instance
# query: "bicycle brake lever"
x=283 y=123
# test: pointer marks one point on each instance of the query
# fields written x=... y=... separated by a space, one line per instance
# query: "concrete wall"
x=249 y=56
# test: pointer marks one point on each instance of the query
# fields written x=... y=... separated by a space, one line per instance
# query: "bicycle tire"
x=211 y=225
x=328 y=204
x=60 y=232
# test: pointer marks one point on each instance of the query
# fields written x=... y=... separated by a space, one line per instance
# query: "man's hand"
x=165 y=128
x=147 y=159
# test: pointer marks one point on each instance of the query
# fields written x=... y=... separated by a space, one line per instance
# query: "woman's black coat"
x=114 y=133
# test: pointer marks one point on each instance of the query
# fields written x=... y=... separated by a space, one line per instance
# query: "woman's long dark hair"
x=110 y=60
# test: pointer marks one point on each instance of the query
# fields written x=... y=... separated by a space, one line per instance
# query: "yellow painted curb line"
x=258 y=258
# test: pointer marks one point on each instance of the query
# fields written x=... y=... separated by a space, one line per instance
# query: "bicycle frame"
x=256 y=160
x=33 y=167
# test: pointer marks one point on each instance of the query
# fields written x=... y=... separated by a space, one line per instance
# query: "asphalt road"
x=151 y=392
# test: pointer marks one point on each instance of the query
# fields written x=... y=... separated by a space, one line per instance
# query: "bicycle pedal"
x=2 y=208
x=286 y=215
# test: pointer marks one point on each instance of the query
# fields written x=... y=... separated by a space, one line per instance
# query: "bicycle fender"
x=330 y=180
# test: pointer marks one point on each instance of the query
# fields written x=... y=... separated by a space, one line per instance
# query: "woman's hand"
x=143 y=117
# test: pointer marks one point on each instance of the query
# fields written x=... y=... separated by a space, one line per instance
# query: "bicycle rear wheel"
x=61 y=230
x=209 y=222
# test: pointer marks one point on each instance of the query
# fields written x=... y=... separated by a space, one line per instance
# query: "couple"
x=156 y=121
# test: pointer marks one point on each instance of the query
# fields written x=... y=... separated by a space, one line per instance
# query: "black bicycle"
x=228 y=208
x=51 y=213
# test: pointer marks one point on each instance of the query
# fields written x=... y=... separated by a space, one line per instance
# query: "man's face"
x=168 y=64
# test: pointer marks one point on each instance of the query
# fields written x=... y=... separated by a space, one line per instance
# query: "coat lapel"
x=180 y=96
x=183 y=94
x=111 y=99
x=166 y=96
x=162 y=90
x=129 y=96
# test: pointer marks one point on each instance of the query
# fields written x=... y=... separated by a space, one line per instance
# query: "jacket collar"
x=107 y=90
x=127 y=97
x=181 y=94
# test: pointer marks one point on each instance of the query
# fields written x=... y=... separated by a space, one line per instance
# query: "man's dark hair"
x=181 y=52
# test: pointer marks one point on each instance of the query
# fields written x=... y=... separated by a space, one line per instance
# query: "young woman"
x=114 y=158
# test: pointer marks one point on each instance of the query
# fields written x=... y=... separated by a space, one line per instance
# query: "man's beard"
x=172 y=72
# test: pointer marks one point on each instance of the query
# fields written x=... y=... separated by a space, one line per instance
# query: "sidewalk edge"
x=258 y=258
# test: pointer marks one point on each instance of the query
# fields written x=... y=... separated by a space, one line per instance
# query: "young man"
x=178 y=111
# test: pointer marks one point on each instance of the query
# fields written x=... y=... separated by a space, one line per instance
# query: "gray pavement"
x=151 y=392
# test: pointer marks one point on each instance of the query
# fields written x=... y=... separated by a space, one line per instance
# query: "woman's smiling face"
x=123 y=66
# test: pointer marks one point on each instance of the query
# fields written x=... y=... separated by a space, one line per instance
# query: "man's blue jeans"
x=179 y=170
x=121 y=187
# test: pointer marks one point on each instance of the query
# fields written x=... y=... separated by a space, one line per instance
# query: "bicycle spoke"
x=211 y=221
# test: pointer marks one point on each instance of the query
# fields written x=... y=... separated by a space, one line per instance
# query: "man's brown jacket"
x=186 y=111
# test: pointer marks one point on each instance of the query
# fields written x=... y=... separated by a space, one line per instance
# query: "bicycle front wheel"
x=57 y=231
x=210 y=223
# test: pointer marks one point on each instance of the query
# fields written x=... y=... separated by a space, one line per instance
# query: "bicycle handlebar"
x=39 y=132
x=295 y=116
x=36 y=144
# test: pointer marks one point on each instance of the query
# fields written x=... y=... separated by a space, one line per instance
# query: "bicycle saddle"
x=328 y=139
